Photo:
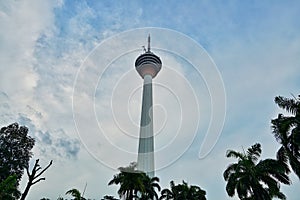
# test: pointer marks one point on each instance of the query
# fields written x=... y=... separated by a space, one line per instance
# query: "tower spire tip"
x=149 y=42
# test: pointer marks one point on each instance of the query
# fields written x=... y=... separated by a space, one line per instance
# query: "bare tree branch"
x=44 y=169
x=32 y=178
x=27 y=171
x=40 y=179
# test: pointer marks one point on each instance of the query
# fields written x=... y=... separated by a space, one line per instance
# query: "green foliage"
x=107 y=197
x=286 y=130
x=8 y=188
x=130 y=181
x=252 y=179
x=15 y=151
x=137 y=185
x=150 y=184
x=183 y=192
x=134 y=184
x=75 y=193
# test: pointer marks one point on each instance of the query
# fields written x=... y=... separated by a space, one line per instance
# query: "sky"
x=67 y=73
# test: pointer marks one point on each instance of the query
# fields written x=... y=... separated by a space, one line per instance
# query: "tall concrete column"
x=146 y=143
x=147 y=65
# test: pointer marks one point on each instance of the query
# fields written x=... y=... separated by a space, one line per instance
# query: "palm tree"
x=150 y=185
x=286 y=130
x=183 y=192
x=130 y=181
x=75 y=193
x=248 y=177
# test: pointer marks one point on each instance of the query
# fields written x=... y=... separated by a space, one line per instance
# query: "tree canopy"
x=182 y=192
x=253 y=179
x=286 y=130
x=131 y=182
x=15 y=151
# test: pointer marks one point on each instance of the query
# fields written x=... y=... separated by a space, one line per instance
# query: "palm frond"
x=242 y=190
x=275 y=168
x=295 y=165
x=231 y=185
x=254 y=152
x=75 y=193
x=116 y=180
x=234 y=154
x=281 y=127
x=295 y=135
x=230 y=169
x=279 y=195
x=290 y=105
x=283 y=157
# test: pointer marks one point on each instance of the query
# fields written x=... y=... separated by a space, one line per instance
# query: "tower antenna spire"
x=149 y=43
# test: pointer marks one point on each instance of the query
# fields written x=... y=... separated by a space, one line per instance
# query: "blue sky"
x=45 y=45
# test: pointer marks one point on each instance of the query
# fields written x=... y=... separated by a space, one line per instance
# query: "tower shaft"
x=146 y=143
x=147 y=65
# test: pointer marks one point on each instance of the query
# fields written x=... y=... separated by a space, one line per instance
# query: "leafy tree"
x=15 y=151
x=183 y=192
x=286 y=130
x=130 y=181
x=8 y=189
x=252 y=179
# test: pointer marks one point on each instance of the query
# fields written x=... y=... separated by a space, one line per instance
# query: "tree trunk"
x=26 y=190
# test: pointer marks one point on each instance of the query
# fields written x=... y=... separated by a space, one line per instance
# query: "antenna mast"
x=84 y=189
x=149 y=43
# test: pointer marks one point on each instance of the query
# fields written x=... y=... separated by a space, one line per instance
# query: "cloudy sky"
x=67 y=73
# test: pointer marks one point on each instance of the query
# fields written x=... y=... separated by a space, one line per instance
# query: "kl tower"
x=147 y=65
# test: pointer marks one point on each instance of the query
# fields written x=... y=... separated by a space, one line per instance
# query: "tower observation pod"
x=147 y=65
